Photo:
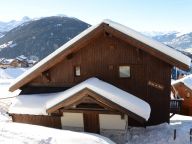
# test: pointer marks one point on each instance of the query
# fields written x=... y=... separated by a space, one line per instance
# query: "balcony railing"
x=175 y=106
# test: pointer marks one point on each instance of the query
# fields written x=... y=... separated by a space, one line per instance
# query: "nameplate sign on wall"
x=155 y=85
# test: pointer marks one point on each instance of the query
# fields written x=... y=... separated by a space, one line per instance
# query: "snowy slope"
x=178 y=40
x=11 y=73
x=164 y=133
x=15 y=133
x=7 y=26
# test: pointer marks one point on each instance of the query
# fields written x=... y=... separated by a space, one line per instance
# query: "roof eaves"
x=178 y=56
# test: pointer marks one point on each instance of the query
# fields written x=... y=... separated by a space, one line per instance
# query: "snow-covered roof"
x=21 y=58
x=38 y=104
x=47 y=61
x=7 y=61
x=187 y=80
x=150 y=42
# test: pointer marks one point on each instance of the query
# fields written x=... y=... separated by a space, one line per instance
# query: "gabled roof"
x=41 y=103
x=152 y=47
x=88 y=100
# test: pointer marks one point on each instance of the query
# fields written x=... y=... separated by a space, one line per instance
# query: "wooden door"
x=91 y=122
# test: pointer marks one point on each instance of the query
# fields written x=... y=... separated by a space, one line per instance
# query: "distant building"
x=20 y=61
x=182 y=88
x=4 y=63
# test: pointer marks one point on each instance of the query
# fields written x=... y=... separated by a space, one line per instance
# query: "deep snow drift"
x=11 y=73
x=16 y=133
x=163 y=133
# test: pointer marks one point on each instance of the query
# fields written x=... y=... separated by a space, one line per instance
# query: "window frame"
x=76 y=71
x=119 y=73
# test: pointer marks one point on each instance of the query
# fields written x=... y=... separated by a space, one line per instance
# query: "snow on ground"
x=16 y=133
x=6 y=98
x=159 y=134
x=11 y=73
x=4 y=89
x=163 y=133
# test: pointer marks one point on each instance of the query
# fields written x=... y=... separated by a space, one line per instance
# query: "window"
x=77 y=71
x=124 y=71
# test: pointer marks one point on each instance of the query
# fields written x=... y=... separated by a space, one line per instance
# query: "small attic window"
x=124 y=72
x=77 y=70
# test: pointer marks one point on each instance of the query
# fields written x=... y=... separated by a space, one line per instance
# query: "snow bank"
x=163 y=133
x=4 y=89
x=178 y=117
x=11 y=73
x=7 y=76
x=38 y=104
x=24 y=133
x=6 y=98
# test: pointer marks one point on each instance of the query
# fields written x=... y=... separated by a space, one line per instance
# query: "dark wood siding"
x=159 y=99
x=102 y=57
x=48 y=121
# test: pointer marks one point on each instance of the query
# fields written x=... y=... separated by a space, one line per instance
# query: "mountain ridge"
x=40 y=37
x=177 y=40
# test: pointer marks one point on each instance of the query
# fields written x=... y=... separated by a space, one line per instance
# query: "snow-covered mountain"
x=178 y=40
x=7 y=26
x=182 y=42
x=39 y=37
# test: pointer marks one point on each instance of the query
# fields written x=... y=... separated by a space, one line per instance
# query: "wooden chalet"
x=4 y=63
x=118 y=56
x=182 y=92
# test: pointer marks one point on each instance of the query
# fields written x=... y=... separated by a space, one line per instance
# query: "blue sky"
x=142 y=15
